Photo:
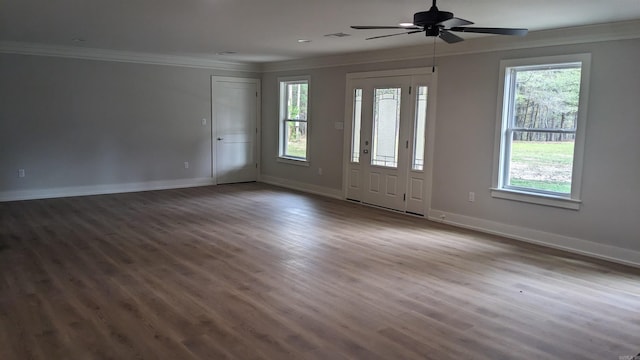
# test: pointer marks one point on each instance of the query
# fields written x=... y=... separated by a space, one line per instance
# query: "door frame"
x=430 y=124
x=258 y=149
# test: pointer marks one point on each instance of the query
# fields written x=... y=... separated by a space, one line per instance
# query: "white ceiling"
x=268 y=30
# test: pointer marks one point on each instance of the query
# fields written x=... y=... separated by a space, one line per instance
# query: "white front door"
x=385 y=116
x=386 y=129
x=235 y=109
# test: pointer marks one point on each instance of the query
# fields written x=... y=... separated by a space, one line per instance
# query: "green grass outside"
x=555 y=186
x=542 y=165
x=542 y=152
x=297 y=148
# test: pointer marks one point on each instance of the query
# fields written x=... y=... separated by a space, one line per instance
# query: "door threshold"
x=390 y=209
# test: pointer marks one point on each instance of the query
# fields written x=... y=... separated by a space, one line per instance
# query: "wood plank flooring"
x=251 y=271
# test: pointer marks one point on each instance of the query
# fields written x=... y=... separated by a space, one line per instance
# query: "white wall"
x=96 y=125
x=608 y=223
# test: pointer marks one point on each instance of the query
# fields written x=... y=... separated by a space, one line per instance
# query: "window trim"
x=572 y=200
x=282 y=120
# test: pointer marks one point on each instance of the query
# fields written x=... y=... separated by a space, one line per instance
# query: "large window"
x=541 y=132
x=294 y=117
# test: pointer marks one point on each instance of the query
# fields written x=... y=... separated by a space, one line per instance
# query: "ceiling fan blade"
x=450 y=38
x=497 y=31
x=403 y=33
x=453 y=22
x=386 y=27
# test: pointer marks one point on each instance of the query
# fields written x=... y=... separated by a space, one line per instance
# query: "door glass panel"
x=417 y=162
x=357 y=120
x=386 y=127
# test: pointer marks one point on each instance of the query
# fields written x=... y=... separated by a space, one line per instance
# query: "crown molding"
x=22 y=48
x=535 y=39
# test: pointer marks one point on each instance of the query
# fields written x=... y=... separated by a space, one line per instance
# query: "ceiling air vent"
x=338 y=35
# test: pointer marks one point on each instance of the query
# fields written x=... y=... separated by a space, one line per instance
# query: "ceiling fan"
x=440 y=24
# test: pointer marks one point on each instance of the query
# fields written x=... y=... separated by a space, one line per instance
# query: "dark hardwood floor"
x=251 y=271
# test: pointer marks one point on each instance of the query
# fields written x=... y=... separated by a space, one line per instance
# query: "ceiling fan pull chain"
x=433 y=62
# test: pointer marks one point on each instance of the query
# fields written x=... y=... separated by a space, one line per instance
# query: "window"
x=541 y=130
x=419 y=132
x=356 y=126
x=294 y=117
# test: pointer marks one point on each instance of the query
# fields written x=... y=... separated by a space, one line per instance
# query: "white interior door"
x=387 y=141
x=235 y=109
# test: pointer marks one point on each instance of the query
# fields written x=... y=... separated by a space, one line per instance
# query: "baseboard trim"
x=103 y=189
x=561 y=242
x=300 y=186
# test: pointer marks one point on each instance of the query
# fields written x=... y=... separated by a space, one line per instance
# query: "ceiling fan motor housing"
x=436 y=23
x=431 y=17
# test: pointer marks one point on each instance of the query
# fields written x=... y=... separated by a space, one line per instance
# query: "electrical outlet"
x=204 y=122
x=186 y=164
x=319 y=171
x=443 y=217
x=21 y=173
x=472 y=196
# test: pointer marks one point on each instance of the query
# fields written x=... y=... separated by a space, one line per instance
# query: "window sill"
x=293 y=161
x=547 y=200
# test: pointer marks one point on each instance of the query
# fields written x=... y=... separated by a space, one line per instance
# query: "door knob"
x=365 y=151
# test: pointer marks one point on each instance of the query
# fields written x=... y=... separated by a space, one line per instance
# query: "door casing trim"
x=431 y=123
